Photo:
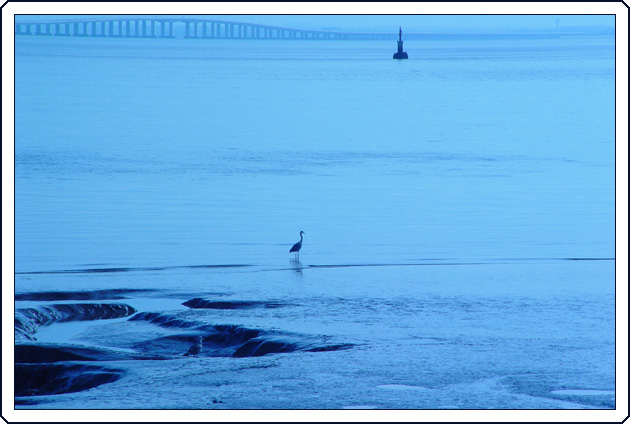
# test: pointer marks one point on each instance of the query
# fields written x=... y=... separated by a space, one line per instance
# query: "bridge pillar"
x=137 y=28
x=38 y=29
x=84 y=29
x=96 y=33
x=114 y=28
x=146 y=26
x=119 y=28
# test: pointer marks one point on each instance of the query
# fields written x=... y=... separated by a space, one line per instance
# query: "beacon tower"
x=400 y=54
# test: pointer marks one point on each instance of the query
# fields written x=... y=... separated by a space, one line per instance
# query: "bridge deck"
x=152 y=27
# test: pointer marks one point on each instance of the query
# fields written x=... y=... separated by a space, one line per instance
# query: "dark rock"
x=198 y=303
x=79 y=295
x=260 y=347
x=27 y=401
x=331 y=348
x=48 y=353
x=163 y=320
x=28 y=320
x=51 y=379
x=226 y=340
x=229 y=335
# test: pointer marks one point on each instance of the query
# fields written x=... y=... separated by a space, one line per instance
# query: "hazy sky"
x=420 y=22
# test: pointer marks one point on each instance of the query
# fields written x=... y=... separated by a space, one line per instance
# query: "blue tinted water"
x=146 y=151
x=175 y=153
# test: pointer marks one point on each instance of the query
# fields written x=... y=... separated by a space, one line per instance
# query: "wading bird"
x=196 y=348
x=297 y=246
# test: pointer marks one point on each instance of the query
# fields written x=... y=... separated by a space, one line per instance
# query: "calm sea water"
x=174 y=153
x=170 y=151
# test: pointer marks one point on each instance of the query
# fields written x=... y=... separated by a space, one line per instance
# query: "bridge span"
x=150 y=27
x=200 y=28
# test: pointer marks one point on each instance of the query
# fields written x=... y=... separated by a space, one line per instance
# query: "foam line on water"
x=583 y=392
x=132 y=269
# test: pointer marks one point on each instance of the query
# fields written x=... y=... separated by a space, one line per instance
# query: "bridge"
x=199 y=28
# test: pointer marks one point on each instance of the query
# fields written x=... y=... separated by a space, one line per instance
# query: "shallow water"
x=458 y=210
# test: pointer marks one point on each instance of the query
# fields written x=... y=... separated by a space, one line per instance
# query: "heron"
x=297 y=246
x=196 y=348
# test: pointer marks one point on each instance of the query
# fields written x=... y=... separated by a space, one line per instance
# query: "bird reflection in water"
x=296 y=265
